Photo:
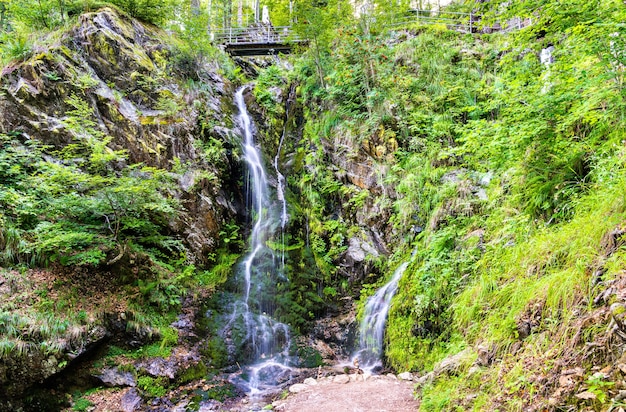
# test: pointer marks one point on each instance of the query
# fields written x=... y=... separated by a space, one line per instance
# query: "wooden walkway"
x=263 y=39
x=260 y=39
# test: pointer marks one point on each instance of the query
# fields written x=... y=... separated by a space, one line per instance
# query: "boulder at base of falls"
x=298 y=387
x=341 y=379
x=310 y=381
x=405 y=376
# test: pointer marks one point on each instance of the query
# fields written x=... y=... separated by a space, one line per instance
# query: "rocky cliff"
x=134 y=86
x=128 y=85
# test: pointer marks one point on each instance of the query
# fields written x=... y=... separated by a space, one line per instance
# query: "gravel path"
x=334 y=394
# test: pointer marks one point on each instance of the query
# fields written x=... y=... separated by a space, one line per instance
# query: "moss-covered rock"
x=119 y=68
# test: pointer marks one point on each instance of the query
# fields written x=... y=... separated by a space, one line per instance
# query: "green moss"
x=216 y=352
x=153 y=387
x=82 y=404
x=193 y=373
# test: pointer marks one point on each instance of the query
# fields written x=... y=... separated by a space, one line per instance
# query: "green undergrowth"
x=85 y=234
x=508 y=179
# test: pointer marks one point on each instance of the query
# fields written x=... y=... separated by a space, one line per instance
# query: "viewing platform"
x=257 y=40
x=263 y=39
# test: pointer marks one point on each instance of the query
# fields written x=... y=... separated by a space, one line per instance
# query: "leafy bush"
x=150 y=11
x=80 y=211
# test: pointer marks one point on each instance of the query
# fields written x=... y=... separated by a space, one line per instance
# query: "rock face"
x=362 y=163
x=334 y=337
x=120 y=77
x=18 y=371
x=127 y=84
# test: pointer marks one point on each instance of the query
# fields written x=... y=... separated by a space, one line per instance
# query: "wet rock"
x=112 y=377
x=336 y=334
x=185 y=325
x=359 y=250
x=131 y=401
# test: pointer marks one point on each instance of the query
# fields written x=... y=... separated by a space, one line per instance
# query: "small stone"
x=113 y=377
x=392 y=376
x=131 y=401
x=425 y=379
x=474 y=370
x=310 y=381
x=485 y=355
x=341 y=379
x=298 y=387
x=278 y=405
x=566 y=380
x=406 y=376
x=586 y=395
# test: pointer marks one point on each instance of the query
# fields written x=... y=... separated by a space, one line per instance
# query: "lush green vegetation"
x=509 y=170
x=502 y=176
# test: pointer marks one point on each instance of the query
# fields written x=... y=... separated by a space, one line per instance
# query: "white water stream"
x=372 y=328
x=266 y=340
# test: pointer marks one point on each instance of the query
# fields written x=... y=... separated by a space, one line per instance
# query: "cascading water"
x=372 y=328
x=280 y=184
x=265 y=342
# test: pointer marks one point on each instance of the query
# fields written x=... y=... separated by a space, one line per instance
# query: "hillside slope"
x=493 y=163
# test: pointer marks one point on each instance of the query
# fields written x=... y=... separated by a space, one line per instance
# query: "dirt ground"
x=378 y=394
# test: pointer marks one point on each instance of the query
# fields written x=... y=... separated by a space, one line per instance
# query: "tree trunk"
x=209 y=27
x=62 y=10
x=240 y=13
x=43 y=16
x=195 y=7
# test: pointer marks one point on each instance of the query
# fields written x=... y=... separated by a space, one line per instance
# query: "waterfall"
x=280 y=187
x=265 y=341
x=280 y=184
x=372 y=328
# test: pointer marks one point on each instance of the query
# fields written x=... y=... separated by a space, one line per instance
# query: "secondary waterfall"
x=372 y=328
x=265 y=341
